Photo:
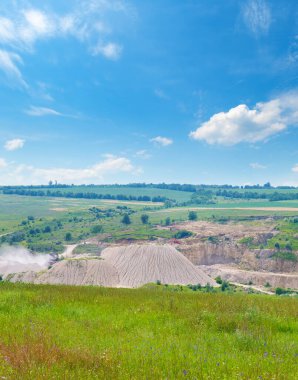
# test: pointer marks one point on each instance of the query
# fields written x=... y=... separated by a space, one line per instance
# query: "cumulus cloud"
x=26 y=174
x=295 y=168
x=257 y=16
x=41 y=111
x=162 y=141
x=23 y=25
x=14 y=144
x=256 y=165
x=242 y=124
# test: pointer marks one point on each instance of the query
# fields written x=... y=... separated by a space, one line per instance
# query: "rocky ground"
x=217 y=249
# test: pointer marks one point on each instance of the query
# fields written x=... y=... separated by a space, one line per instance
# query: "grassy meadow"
x=59 y=332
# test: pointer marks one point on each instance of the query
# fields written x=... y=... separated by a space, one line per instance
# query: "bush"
x=145 y=218
x=182 y=234
x=280 y=291
x=224 y=285
x=192 y=215
x=168 y=221
x=68 y=236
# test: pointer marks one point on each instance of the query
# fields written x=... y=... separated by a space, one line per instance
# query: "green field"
x=63 y=215
x=56 y=332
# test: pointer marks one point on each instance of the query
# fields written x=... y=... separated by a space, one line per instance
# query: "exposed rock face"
x=236 y=275
x=204 y=253
x=218 y=248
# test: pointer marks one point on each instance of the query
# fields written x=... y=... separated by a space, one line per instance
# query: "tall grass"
x=59 y=332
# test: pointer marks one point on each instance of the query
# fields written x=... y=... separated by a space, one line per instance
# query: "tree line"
x=87 y=195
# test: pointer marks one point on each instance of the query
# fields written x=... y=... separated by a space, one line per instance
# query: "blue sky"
x=114 y=91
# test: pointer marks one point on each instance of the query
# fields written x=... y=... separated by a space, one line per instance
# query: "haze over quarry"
x=106 y=91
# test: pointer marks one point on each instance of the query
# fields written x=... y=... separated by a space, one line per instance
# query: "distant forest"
x=201 y=194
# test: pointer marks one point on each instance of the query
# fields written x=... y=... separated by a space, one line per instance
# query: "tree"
x=145 y=218
x=126 y=219
x=277 y=246
x=192 y=215
x=168 y=221
x=47 y=229
x=68 y=236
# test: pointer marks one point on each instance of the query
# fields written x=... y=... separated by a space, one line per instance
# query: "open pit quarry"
x=217 y=250
x=128 y=266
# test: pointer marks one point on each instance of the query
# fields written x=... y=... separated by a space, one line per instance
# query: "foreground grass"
x=56 y=332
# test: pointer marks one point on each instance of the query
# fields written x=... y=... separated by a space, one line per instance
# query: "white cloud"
x=257 y=16
x=25 y=25
x=42 y=111
x=110 y=51
x=295 y=168
x=3 y=163
x=163 y=141
x=256 y=165
x=8 y=64
x=242 y=124
x=26 y=174
x=14 y=144
x=143 y=154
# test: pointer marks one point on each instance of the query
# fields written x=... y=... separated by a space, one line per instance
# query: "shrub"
x=224 y=285
x=168 y=221
x=218 y=280
x=68 y=236
x=279 y=291
x=192 y=215
x=182 y=234
x=145 y=218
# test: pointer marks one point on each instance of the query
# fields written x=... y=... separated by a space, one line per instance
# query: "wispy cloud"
x=256 y=165
x=295 y=168
x=14 y=144
x=9 y=64
x=257 y=16
x=24 y=25
x=162 y=141
x=42 y=111
x=143 y=154
x=242 y=124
